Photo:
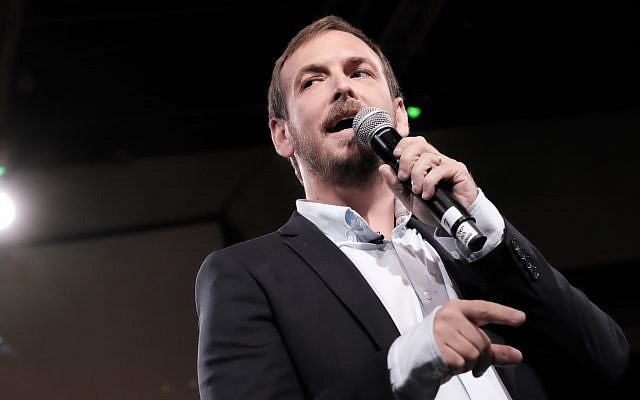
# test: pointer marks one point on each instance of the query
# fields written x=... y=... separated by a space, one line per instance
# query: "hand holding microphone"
x=373 y=127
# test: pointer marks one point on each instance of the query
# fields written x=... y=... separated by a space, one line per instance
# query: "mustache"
x=339 y=111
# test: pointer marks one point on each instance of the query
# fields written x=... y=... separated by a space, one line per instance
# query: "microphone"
x=372 y=126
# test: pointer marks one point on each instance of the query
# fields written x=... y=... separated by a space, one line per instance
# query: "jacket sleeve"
x=241 y=354
x=564 y=330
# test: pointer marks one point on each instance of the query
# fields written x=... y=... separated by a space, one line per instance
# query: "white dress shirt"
x=409 y=278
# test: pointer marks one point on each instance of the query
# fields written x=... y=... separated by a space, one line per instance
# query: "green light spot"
x=413 y=112
x=2 y=170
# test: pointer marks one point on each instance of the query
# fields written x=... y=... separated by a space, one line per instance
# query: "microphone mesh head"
x=368 y=121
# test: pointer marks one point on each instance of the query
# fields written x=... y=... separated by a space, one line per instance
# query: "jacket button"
x=525 y=259
x=533 y=270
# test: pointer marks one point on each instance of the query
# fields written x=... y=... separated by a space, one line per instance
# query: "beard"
x=354 y=170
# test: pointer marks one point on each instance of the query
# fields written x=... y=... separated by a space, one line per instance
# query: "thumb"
x=505 y=355
x=501 y=355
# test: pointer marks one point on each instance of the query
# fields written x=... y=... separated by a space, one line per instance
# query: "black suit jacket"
x=288 y=316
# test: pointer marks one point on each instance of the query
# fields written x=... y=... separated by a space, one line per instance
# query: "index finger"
x=409 y=142
x=482 y=312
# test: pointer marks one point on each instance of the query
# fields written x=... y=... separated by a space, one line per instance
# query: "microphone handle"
x=453 y=217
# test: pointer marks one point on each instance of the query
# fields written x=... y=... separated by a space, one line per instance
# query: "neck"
x=373 y=200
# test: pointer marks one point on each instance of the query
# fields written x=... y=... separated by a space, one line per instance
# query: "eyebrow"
x=357 y=60
x=310 y=68
x=317 y=68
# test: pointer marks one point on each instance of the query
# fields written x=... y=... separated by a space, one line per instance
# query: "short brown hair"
x=276 y=96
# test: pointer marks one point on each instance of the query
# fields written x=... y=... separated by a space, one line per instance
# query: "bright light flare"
x=7 y=211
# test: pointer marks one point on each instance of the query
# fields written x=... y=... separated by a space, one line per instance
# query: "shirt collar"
x=341 y=223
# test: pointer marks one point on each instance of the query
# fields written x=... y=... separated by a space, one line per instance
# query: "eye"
x=361 y=73
x=309 y=82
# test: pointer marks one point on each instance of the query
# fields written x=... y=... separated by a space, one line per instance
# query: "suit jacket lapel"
x=342 y=278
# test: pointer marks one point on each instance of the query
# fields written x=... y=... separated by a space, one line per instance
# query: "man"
x=355 y=297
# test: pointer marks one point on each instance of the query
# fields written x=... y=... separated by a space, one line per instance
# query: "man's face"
x=326 y=82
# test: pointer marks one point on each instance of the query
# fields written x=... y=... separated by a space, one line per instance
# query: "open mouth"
x=342 y=124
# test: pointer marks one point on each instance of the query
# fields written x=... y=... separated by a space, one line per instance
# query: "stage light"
x=7 y=211
x=414 y=112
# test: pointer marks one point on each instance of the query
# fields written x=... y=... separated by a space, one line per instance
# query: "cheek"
x=377 y=95
x=306 y=114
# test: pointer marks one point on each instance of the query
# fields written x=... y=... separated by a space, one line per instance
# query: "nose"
x=343 y=89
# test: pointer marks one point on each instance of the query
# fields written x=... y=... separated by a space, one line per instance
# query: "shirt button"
x=426 y=295
x=348 y=217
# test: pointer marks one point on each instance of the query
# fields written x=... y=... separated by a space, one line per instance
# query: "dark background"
x=135 y=140
x=102 y=80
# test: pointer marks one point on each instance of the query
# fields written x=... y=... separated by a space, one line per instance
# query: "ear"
x=402 y=119
x=280 y=137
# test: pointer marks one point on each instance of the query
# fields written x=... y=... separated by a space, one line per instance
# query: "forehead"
x=326 y=48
